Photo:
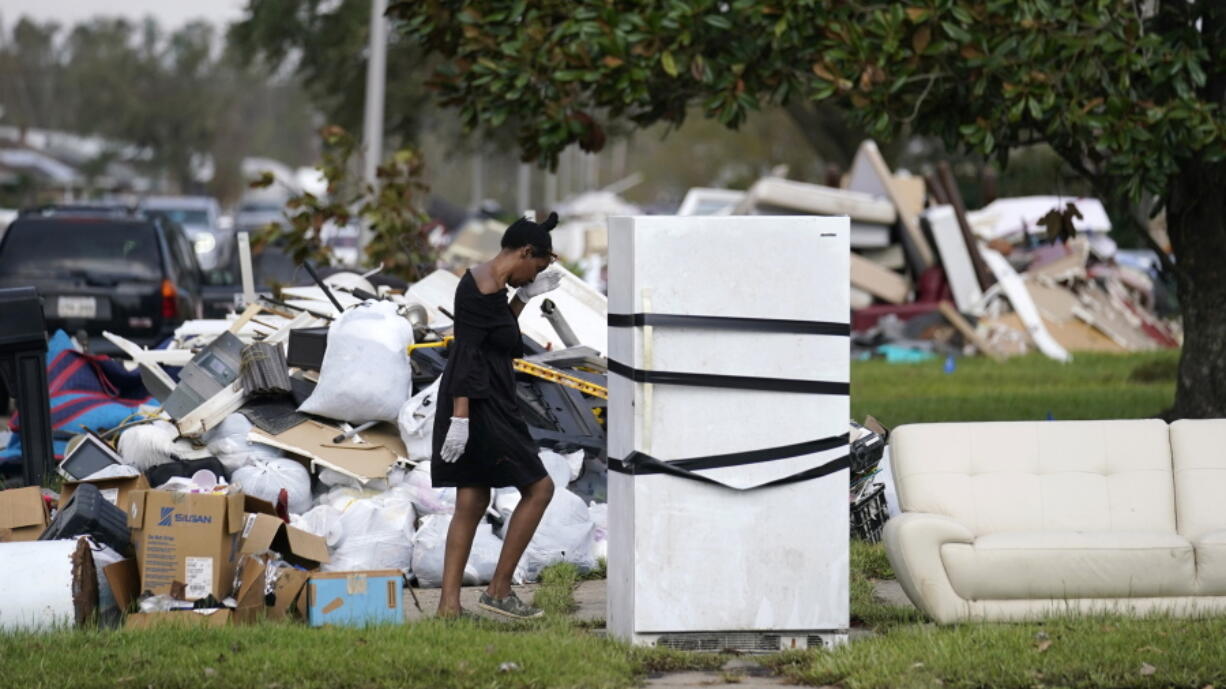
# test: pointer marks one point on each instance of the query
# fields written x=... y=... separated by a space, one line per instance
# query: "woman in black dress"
x=480 y=438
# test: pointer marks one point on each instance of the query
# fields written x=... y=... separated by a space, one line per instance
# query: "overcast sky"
x=169 y=13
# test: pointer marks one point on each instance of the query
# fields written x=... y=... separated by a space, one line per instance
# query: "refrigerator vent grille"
x=748 y=642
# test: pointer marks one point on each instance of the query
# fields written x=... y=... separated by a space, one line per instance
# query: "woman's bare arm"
x=459 y=407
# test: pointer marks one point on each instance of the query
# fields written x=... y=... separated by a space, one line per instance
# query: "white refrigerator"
x=728 y=421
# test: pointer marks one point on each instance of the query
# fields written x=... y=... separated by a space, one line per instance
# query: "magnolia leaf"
x=668 y=63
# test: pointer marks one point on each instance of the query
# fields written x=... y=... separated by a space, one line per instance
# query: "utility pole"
x=372 y=125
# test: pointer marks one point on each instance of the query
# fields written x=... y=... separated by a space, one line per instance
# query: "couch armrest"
x=913 y=543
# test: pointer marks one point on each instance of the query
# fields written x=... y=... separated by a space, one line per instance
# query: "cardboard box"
x=23 y=514
x=215 y=617
x=186 y=537
x=288 y=601
x=263 y=532
x=117 y=491
x=356 y=599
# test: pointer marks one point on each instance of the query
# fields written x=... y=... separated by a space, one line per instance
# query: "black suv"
x=99 y=268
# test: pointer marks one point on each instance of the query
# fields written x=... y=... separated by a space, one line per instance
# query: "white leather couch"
x=1025 y=520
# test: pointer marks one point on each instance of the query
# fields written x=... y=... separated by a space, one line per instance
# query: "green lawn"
x=1092 y=386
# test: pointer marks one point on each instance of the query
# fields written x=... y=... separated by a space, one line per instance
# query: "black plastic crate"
x=869 y=514
x=87 y=513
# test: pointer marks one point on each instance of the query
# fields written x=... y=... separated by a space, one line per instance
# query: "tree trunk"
x=1196 y=221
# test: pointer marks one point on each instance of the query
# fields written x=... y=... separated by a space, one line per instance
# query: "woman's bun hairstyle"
x=524 y=232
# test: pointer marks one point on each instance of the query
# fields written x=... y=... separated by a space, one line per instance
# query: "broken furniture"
x=728 y=414
x=1032 y=520
x=23 y=370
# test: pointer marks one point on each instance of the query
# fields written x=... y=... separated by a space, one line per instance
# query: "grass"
x=551 y=652
x=1077 y=652
x=868 y=564
x=1093 y=386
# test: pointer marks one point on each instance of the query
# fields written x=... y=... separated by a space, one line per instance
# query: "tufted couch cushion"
x=1198 y=454
x=1062 y=476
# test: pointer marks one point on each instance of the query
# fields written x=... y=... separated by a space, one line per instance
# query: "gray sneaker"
x=511 y=606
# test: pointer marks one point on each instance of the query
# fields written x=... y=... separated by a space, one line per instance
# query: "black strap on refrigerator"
x=760 y=325
x=769 y=454
x=711 y=380
x=638 y=463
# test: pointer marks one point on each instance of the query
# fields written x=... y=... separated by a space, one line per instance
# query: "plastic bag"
x=228 y=443
x=365 y=374
x=431 y=543
x=426 y=498
x=599 y=512
x=562 y=468
x=416 y=423
x=374 y=532
x=566 y=534
x=147 y=445
x=322 y=520
x=264 y=479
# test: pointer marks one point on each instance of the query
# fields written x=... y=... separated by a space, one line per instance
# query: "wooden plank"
x=954 y=196
x=244 y=318
x=882 y=283
x=955 y=319
x=910 y=223
x=1073 y=335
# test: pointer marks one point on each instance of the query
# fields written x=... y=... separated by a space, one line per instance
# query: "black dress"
x=500 y=450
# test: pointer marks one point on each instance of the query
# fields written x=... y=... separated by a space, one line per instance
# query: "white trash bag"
x=264 y=479
x=322 y=520
x=228 y=443
x=416 y=423
x=375 y=532
x=562 y=468
x=566 y=534
x=426 y=498
x=600 y=535
x=431 y=542
x=365 y=374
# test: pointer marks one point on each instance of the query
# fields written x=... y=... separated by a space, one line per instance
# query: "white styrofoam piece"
x=1020 y=214
x=585 y=310
x=814 y=198
x=1024 y=306
x=869 y=236
x=36 y=584
x=435 y=291
x=674 y=541
x=709 y=201
x=955 y=256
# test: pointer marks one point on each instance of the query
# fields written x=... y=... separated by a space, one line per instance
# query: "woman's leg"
x=470 y=505
x=535 y=498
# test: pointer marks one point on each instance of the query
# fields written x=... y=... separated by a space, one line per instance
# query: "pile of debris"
x=290 y=444
x=929 y=278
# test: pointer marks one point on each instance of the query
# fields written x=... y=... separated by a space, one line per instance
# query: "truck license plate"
x=76 y=307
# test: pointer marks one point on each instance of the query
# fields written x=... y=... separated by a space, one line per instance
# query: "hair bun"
x=550 y=222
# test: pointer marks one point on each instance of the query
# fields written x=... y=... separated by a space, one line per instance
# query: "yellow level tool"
x=548 y=373
x=555 y=376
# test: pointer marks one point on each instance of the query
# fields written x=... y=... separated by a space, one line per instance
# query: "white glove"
x=548 y=280
x=457 y=438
